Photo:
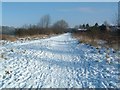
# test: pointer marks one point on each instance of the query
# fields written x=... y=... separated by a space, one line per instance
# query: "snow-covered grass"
x=57 y=62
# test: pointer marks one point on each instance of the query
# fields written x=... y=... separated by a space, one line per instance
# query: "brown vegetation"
x=112 y=39
x=7 y=37
x=34 y=30
x=26 y=37
x=43 y=27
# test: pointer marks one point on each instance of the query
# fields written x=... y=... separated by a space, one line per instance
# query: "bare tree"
x=116 y=19
x=119 y=13
x=76 y=27
x=62 y=24
x=44 y=21
x=106 y=23
x=26 y=26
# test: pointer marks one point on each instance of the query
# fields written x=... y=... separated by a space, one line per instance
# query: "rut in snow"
x=57 y=62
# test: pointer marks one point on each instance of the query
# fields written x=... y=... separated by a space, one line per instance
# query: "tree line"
x=106 y=32
x=43 y=27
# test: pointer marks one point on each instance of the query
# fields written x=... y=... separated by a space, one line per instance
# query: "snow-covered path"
x=57 y=62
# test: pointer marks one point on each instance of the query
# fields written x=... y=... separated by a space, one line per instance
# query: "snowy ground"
x=57 y=62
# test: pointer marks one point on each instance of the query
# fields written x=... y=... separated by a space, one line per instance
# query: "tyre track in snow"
x=56 y=62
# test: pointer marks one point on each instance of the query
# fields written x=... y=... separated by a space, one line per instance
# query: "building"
x=81 y=29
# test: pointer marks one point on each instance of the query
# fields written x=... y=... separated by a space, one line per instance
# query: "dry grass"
x=33 y=36
x=85 y=39
x=40 y=36
x=8 y=37
x=14 y=38
x=111 y=42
